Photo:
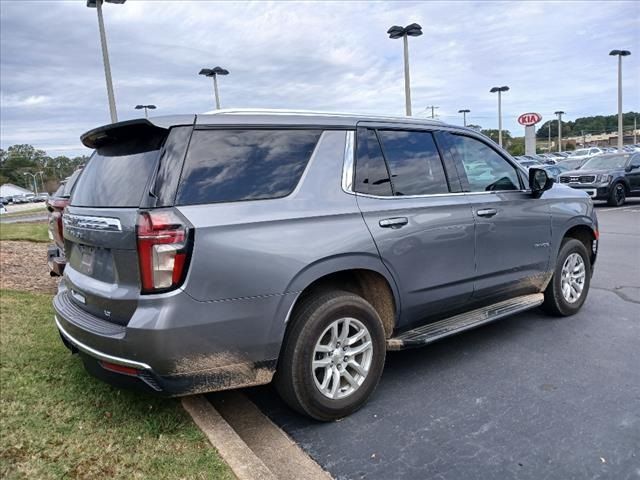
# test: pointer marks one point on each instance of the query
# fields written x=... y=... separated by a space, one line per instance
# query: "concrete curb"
x=271 y=444
x=244 y=463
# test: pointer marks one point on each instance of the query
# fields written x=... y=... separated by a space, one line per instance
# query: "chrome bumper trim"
x=98 y=354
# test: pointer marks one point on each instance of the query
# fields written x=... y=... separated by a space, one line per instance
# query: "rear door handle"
x=486 y=212
x=396 y=222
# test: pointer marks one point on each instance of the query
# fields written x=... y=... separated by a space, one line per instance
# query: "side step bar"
x=465 y=321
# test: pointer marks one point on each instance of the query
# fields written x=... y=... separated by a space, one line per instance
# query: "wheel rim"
x=573 y=278
x=342 y=358
x=619 y=193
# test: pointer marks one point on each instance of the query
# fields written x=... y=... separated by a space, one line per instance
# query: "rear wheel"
x=569 y=286
x=333 y=356
x=617 y=196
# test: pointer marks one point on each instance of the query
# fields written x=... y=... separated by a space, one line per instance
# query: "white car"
x=3 y=209
x=584 y=153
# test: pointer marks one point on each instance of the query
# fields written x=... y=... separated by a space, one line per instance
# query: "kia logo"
x=528 y=119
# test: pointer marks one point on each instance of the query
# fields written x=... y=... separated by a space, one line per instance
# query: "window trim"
x=350 y=152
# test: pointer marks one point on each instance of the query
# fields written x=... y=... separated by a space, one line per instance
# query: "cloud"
x=308 y=55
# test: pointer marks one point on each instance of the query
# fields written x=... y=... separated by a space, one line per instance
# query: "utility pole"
x=433 y=111
x=549 y=124
x=583 y=139
x=635 y=141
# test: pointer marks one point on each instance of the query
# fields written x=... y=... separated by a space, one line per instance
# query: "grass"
x=32 y=232
x=27 y=211
x=58 y=422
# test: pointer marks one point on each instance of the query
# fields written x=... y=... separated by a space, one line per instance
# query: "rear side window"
x=372 y=176
x=115 y=177
x=414 y=162
x=233 y=165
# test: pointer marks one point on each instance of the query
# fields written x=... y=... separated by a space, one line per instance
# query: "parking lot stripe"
x=244 y=463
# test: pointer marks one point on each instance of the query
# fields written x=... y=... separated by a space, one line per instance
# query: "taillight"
x=162 y=250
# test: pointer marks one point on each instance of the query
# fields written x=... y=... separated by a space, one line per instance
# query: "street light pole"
x=97 y=4
x=559 y=113
x=214 y=72
x=549 y=136
x=464 y=115
x=620 y=54
x=413 y=30
x=35 y=184
x=499 y=90
x=41 y=179
x=146 y=107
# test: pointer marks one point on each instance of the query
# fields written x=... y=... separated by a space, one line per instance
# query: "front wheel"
x=617 y=196
x=569 y=285
x=333 y=356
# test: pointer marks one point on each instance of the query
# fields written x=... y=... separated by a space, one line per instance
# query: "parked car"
x=573 y=163
x=611 y=177
x=3 y=209
x=547 y=158
x=585 y=153
x=527 y=161
x=556 y=170
x=56 y=204
x=215 y=251
x=4 y=200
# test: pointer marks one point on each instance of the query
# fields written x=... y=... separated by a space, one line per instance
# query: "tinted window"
x=114 y=179
x=414 y=162
x=371 y=172
x=485 y=169
x=231 y=165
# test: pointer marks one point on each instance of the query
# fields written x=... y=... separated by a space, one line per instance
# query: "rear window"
x=118 y=174
x=233 y=165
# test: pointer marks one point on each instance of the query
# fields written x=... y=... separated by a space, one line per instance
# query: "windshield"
x=613 y=161
x=582 y=151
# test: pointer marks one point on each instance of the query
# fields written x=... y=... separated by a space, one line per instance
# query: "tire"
x=556 y=301
x=617 y=196
x=300 y=385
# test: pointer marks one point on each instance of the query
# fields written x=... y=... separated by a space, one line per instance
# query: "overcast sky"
x=322 y=56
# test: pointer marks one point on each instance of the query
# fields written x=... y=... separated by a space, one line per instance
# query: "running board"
x=465 y=321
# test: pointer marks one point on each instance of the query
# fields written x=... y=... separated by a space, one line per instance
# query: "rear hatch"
x=100 y=224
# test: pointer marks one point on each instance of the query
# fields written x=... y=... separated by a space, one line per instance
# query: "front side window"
x=485 y=169
x=233 y=165
x=414 y=162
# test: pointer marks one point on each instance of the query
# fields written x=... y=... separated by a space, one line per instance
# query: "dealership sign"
x=528 y=119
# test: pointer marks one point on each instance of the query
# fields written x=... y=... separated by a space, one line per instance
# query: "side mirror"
x=633 y=166
x=539 y=181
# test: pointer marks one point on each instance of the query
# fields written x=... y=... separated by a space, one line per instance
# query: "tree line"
x=585 y=125
x=17 y=160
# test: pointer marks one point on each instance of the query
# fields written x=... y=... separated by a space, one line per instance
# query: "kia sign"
x=528 y=119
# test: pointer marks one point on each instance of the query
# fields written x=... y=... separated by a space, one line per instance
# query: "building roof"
x=9 y=190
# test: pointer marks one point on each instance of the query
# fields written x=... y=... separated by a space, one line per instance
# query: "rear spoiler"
x=131 y=129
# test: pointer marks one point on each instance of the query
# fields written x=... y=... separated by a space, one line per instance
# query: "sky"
x=328 y=56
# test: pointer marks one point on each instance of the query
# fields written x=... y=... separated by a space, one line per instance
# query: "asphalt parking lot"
x=527 y=397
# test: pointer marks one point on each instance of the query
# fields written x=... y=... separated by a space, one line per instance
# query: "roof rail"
x=277 y=111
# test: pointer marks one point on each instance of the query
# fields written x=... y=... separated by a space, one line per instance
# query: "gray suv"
x=225 y=250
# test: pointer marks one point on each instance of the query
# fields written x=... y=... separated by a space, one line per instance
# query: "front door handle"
x=396 y=222
x=486 y=212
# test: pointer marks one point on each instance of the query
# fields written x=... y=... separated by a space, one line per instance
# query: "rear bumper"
x=169 y=354
x=142 y=377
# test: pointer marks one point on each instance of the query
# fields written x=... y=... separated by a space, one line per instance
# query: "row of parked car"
x=604 y=173
x=28 y=198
